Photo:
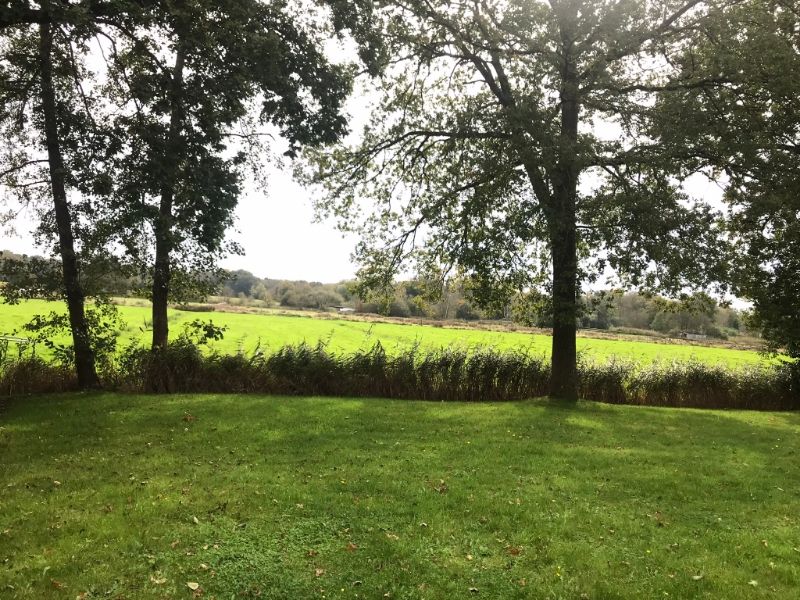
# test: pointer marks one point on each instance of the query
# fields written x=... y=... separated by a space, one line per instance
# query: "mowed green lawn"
x=246 y=331
x=111 y=496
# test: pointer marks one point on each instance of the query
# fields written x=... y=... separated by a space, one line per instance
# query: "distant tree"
x=514 y=141
x=635 y=310
x=692 y=314
x=241 y=282
x=397 y=307
x=599 y=310
x=732 y=320
x=260 y=291
x=467 y=312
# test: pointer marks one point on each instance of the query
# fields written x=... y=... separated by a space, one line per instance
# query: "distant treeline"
x=698 y=314
x=638 y=313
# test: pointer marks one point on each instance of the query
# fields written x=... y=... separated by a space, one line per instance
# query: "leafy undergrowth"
x=113 y=496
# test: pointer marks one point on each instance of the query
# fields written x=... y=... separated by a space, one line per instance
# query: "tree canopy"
x=514 y=141
x=746 y=132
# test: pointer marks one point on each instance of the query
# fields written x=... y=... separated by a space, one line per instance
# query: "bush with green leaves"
x=104 y=325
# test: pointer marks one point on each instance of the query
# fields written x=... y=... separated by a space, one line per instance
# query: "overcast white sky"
x=281 y=241
x=276 y=231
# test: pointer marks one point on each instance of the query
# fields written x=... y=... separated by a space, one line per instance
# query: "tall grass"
x=484 y=375
x=33 y=375
x=476 y=375
x=22 y=372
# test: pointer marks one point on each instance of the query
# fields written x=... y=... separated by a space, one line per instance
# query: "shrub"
x=195 y=307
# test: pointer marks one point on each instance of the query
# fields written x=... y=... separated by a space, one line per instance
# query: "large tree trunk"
x=563 y=370
x=162 y=272
x=563 y=236
x=84 y=355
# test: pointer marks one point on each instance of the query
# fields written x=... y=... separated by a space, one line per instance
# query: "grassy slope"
x=312 y=498
x=273 y=331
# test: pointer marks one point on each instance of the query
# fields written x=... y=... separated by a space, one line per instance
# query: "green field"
x=261 y=497
x=272 y=331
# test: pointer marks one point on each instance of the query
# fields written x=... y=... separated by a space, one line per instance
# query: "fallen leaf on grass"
x=158 y=580
x=57 y=585
x=319 y=572
x=351 y=547
x=697 y=577
x=752 y=582
x=193 y=585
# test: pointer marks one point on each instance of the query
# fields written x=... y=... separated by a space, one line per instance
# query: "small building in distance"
x=344 y=309
x=693 y=336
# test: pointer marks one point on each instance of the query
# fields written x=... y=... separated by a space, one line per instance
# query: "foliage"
x=104 y=326
x=200 y=332
x=512 y=145
x=748 y=129
x=35 y=375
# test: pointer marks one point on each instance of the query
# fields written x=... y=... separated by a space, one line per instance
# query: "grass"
x=135 y=496
x=273 y=331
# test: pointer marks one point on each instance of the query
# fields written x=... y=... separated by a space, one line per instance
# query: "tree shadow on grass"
x=591 y=487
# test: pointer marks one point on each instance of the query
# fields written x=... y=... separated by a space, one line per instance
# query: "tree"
x=749 y=131
x=44 y=106
x=513 y=140
x=48 y=104
x=241 y=282
x=185 y=130
x=600 y=310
